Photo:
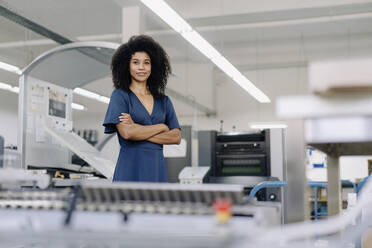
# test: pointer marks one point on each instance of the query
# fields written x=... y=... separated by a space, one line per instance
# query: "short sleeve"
x=118 y=104
x=171 y=119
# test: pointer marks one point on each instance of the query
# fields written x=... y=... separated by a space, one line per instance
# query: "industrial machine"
x=246 y=158
x=45 y=137
x=129 y=214
x=241 y=154
x=101 y=214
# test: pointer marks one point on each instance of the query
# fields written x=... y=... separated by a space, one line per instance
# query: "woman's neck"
x=139 y=87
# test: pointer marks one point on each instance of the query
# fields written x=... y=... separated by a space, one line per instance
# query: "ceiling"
x=253 y=35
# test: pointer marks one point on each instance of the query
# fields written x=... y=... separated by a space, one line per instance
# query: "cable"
x=72 y=206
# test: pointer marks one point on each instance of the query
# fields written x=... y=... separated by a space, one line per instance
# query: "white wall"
x=354 y=167
x=8 y=117
x=237 y=108
x=195 y=81
x=8 y=127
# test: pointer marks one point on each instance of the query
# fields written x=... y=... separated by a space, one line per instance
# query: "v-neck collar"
x=143 y=106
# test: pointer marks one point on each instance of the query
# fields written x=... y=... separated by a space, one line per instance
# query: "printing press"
x=244 y=158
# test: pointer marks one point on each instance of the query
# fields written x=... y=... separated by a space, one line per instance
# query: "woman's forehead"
x=140 y=56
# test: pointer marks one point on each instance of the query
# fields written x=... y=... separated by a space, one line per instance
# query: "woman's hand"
x=126 y=118
x=165 y=127
x=133 y=131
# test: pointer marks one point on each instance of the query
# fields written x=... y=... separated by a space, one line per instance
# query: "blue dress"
x=140 y=161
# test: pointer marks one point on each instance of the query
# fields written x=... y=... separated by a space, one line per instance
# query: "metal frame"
x=10 y=15
x=75 y=45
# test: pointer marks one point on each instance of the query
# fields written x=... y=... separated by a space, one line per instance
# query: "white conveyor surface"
x=84 y=150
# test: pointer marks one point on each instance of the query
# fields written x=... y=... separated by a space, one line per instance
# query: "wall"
x=8 y=117
x=8 y=127
x=354 y=167
x=195 y=81
x=237 y=108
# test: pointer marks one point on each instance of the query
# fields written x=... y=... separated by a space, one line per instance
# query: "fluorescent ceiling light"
x=91 y=95
x=167 y=14
x=227 y=67
x=104 y=99
x=201 y=44
x=8 y=87
x=77 y=106
x=246 y=84
x=86 y=93
x=15 y=89
x=10 y=68
x=267 y=125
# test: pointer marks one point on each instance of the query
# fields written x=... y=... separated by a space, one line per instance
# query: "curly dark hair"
x=160 y=66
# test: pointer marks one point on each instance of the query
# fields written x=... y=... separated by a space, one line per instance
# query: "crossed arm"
x=158 y=133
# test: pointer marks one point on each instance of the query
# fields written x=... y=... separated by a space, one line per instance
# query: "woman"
x=140 y=113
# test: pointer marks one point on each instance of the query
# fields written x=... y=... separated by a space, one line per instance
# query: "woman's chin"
x=140 y=80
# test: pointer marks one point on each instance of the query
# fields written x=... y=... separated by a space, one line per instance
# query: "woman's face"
x=140 y=66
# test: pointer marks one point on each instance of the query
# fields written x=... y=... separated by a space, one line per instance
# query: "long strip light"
x=91 y=95
x=14 y=89
x=78 y=106
x=173 y=19
x=10 y=68
x=8 y=87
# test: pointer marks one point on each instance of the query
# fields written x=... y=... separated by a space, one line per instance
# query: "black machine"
x=242 y=155
x=238 y=158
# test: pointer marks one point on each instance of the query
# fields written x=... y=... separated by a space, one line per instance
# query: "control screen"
x=57 y=104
